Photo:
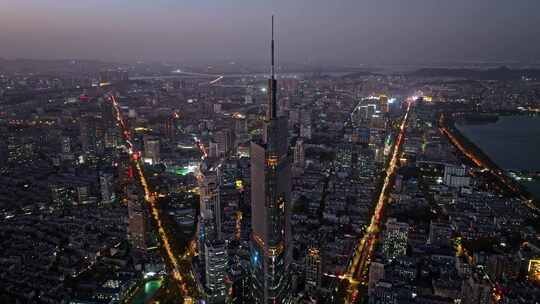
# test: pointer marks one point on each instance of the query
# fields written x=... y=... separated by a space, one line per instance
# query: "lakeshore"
x=478 y=158
x=513 y=143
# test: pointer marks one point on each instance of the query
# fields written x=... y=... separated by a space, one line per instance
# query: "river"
x=513 y=143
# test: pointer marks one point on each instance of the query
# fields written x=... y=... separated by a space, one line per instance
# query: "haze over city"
x=269 y=152
x=341 y=32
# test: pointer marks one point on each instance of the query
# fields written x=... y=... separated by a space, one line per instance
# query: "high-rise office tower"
x=213 y=150
x=66 y=144
x=124 y=170
x=210 y=204
x=168 y=126
x=383 y=293
x=395 y=239
x=136 y=218
x=344 y=153
x=305 y=131
x=240 y=126
x=151 y=150
x=383 y=102
x=106 y=187
x=62 y=195
x=224 y=139
x=241 y=134
x=211 y=244
x=313 y=268
x=376 y=274
x=216 y=261
x=83 y=194
x=456 y=176
x=299 y=154
x=270 y=205
x=87 y=128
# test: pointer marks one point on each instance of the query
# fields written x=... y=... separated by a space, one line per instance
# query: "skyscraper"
x=87 y=128
x=395 y=239
x=299 y=154
x=210 y=204
x=313 y=268
x=376 y=274
x=151 y=150
x=224 y=139
x=216 y=260
x=270 y=205
x=106 y=187
x=383 y=103
x=211 y=244
x=136 y=217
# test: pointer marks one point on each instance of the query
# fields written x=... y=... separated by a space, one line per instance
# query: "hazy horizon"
x=307 y=31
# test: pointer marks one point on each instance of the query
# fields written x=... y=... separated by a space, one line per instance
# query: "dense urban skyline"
x=322 y=32
x=366 y=152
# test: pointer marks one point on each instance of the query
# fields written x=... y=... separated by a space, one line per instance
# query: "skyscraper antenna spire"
x=272 y=47
x=272 y=83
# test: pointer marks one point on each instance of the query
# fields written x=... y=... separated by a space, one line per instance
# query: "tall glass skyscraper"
x=271 y=205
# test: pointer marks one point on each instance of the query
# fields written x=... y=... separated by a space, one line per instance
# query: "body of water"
x=513 y=143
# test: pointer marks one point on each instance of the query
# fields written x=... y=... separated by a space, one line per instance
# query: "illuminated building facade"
x=313 y=268
x=151 y=150
x=211 y=244
x=344 y=155
x=534 y=271
x=383 y=102
x=62 y=195
x=106 y=183
x=395 y=239
x=271 y=208
x=456 y=176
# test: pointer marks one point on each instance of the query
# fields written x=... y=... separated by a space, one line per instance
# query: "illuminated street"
x=174 y=260
x=358 y=267
x=270 y=152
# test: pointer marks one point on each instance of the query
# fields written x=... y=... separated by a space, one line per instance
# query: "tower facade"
x=216 y=261
x=395 y=239
x=151 y=150
x=270 y=205
x=211 y=244
x=106 y=187
x=299 y=154
x=313 y=268
x=136 y=216
x=210 y=204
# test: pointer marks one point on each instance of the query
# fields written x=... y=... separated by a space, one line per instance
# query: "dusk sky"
x=317 y=31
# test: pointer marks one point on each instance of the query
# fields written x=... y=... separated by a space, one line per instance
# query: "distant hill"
x=360 y=74
x=53 y=67
x=502 y=73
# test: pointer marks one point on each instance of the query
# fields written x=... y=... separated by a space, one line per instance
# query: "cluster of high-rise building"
x=260 y=191
x=449 y=233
